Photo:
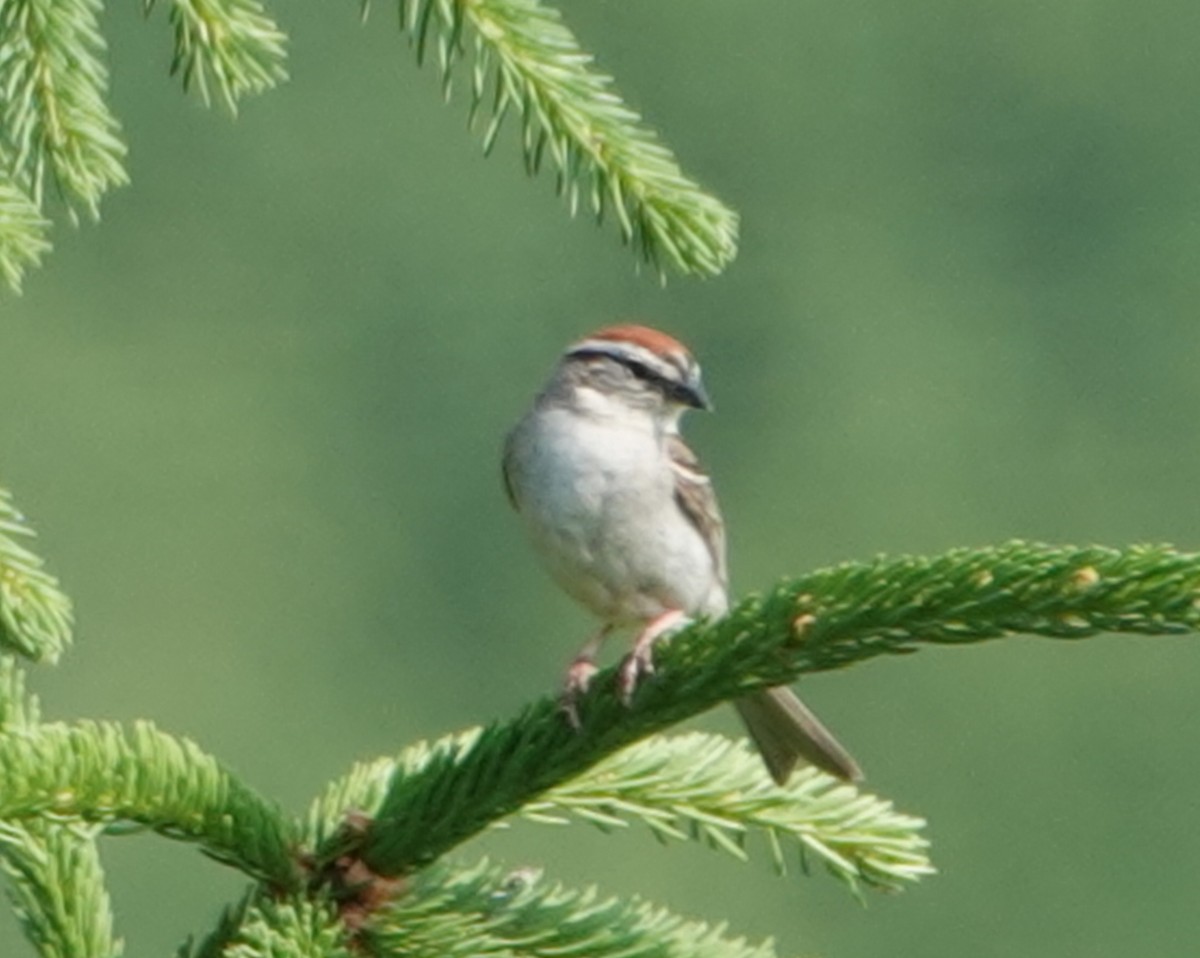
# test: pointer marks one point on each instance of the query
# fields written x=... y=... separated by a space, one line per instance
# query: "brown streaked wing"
x=695 y=495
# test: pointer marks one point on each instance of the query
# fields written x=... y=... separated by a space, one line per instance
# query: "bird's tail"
x=786 y=732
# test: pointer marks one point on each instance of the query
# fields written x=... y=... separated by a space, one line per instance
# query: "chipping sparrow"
x=625 y=519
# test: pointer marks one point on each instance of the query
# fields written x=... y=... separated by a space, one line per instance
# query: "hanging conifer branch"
x=526 y=61
x=56 y=124
x=56 y=127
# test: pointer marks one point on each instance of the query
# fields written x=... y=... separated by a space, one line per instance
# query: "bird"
x=624 y=517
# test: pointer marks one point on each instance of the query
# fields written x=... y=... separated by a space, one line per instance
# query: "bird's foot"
x=579 y=677
x=639 y=663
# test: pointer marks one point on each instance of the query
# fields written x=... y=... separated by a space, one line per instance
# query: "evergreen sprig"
x=54 y=122
x=232 y=44
x=526 y=61
x=712 y=789
x=56 y=126
x=35 y=615
x=56 y=885
x=822 y=621
x=687 y=787
x=484 y=910
x=99 y=772
x=56 y=882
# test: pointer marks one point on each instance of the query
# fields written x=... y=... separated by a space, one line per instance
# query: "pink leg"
x=579 y=676
x=640 y=661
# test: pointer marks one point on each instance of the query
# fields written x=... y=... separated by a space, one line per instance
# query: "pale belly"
x=603 y=518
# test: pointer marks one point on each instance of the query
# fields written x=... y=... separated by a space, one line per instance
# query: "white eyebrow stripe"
x=632 y=352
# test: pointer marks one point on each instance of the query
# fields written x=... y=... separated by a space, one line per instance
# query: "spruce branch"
x=484 y=910
x=822 y=621
x=233 y=44
x=712 y=789
x=35 y=615
x=23 y=229
x=53 y=114
x=57 y=888
x=99 y=773
x=56 y=882
x=688 y=787
x=525 y=60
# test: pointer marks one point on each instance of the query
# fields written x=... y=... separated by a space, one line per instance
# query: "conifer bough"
x=61 y=785
x=822 y=621
x=57 y=129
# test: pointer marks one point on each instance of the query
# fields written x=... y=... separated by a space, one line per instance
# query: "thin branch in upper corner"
x=524 y=60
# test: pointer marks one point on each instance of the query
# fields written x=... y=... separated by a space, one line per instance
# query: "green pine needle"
x=35 y=615
x=822 y=621
x=526 y=61
x=484 y=910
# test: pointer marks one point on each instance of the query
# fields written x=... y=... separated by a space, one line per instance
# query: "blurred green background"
x=256 y=416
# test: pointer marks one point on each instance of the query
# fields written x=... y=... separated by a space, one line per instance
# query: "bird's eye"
x=642 y=371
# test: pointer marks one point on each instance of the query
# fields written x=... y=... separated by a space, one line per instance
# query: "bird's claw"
x=638 y=664
x=579 y=677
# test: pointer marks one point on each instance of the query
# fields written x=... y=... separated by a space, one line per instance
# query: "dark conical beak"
x=696 y=396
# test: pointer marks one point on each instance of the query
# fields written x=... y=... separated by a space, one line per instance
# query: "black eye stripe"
x=642 y=371
x=669 y=387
